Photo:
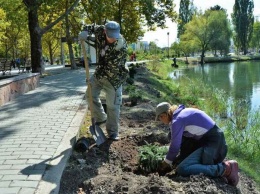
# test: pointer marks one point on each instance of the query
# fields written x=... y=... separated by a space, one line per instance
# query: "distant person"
x=23 y=61
x=133 y=57
x=174 y=64
x=13 y=63
x=197 y=125
x=18 y=63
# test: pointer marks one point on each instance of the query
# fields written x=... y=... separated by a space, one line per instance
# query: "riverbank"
x=232 y=58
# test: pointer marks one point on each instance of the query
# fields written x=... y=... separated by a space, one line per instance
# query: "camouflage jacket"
x=111 y=58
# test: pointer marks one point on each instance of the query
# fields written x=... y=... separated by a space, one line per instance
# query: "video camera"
x=89 y=28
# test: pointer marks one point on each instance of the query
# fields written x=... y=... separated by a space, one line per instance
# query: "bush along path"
x=129 y=165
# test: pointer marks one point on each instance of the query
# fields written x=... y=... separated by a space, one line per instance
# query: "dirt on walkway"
x=113 y=166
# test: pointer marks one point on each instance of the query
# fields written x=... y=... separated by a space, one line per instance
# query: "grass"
x=186 y=91
x=84 y=128
x=243 y=136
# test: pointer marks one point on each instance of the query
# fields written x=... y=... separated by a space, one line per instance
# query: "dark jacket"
x=111 y=58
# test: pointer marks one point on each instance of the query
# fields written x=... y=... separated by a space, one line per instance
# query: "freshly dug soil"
x=113 y=166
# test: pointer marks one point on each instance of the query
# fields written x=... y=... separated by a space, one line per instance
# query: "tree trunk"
x=36 y=39
x=186 y=62
x=245 y=50
x=69 y=42
x=202 y=58
x=50 y=53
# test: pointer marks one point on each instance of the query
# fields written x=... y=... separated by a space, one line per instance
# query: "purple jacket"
x=188 y=122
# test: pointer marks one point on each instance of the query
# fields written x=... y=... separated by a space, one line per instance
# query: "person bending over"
x=209 y=157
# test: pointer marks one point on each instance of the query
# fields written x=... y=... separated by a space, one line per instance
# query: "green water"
x=240 y=80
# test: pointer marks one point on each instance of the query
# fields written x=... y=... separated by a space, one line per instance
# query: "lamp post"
x=256 y=18
x=156 y=41
x=168 y=33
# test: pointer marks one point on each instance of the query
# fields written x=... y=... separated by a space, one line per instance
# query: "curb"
x=50 y=182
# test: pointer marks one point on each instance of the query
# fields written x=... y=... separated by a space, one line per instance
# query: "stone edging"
x=10 y=88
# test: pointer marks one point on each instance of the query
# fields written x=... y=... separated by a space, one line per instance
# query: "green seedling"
x=150 y=157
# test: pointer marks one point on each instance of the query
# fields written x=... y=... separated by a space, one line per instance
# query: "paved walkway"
x=37 y=131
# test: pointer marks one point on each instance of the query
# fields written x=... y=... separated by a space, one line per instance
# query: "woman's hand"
x=164 y=168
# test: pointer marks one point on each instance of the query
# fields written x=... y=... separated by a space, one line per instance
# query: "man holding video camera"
x=110 y=73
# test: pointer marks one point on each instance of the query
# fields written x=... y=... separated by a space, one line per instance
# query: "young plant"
x=150 y=157
x=134 y=94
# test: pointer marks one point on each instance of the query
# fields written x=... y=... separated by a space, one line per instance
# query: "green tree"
x=131 y=14
x=3 y=26
x=175 y=49
x=16 y=42
x=51 y=43
x=203 y=30
x=3 y=23
x=186 y=47
x=217 y=8
x=222 y=35
x=43 y=15
x=243 y=20
x=255 y=41
x=186 y=11
x=153 y=48
x=51 y=40
x=36 y=31
x=156 y=12
x=69 y=28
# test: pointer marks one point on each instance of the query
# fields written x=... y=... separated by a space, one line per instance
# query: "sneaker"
x=101 y=122
x=231 y=172
x=114 y=137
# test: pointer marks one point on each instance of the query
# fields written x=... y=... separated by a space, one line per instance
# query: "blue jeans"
x=113 y=103
x=192 y=165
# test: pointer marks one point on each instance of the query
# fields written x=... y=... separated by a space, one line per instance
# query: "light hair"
x=171 y=110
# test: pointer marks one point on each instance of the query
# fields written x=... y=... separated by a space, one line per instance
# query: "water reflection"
x=241 y=80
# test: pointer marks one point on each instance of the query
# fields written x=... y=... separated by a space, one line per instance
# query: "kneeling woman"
x=197 y=125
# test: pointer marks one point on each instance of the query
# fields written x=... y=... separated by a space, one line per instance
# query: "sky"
x=160 y=36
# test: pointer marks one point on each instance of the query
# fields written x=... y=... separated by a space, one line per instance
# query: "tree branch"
x=45 y=29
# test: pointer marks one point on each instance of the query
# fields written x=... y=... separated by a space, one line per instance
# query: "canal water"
x=240 y=80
